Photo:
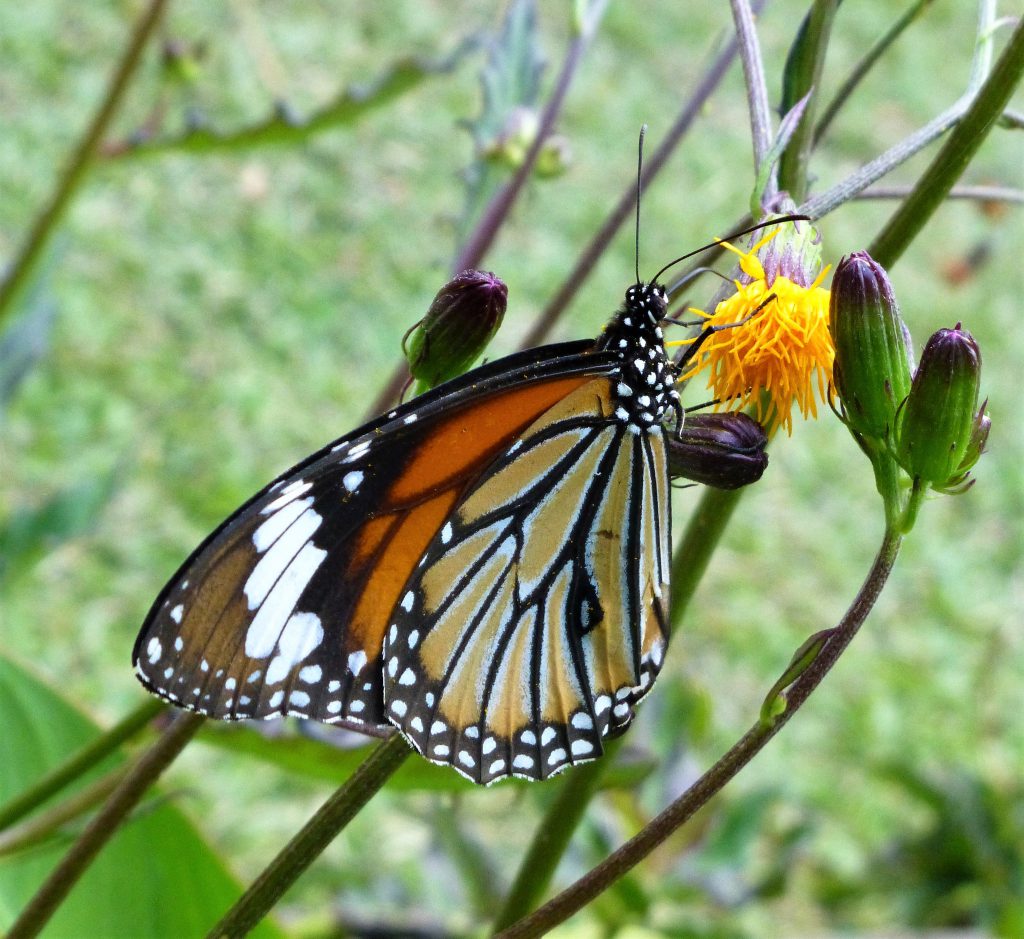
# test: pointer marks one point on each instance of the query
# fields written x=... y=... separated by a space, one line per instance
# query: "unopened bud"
x=462 y=319
x=941 y=430
x=873 y=362
x=725 y=451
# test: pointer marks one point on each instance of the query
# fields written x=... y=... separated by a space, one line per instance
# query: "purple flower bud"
x=872 y=367
x=941 y=431
x=463 y=318
x=725 y=451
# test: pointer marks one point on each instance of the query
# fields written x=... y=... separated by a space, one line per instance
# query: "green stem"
x=624 y=859
x=44 y=825
x=80 y=763
x=703 y=532
x=803 y=76
x=46 y=222
x=552 y=837
x=936 y=181
x=315 y=836
x=103 y=826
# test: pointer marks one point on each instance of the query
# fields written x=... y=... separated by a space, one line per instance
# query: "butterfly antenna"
x=639 y=174
x=732 y=237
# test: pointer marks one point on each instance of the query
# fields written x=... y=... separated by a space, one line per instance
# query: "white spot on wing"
x=302 y=634
x=356 y=661
x=153 y=650
x=176 y=613
x=277 y=568
x=352 y=480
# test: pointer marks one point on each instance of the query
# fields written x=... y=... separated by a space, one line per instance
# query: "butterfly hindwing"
x=283 y=609
x=538 y=616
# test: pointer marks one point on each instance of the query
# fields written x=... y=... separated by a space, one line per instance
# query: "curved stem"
x=640 y=846
x=552 y=837
x=46 y=222
x=103 y=825
x=315 y=836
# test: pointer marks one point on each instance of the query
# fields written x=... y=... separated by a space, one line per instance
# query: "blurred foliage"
x=158 y=852
x=213 y=318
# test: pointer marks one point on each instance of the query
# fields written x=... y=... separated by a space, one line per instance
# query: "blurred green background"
x=205 y=320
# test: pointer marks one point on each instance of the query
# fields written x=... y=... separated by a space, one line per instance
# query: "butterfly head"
x=646 y=303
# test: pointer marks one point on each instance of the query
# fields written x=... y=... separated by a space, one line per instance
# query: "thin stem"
x=857 y=182
x=977 y=193
x=587 y=261
x=84 y=760
x=757 y=90
x=864 y=66
x=803 y=78
x=43 y=826
x=315 y=836
x=693 y=553
x=103 y=825
x=494 y=215
x=952 y=159
x=481 y=239
x=552 y=837
x=640 y=846
x=49 y=218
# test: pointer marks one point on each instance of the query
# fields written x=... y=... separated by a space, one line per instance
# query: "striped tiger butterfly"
x=484 y=568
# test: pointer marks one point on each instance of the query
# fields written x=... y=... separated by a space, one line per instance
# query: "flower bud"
x=941 y=432
x=873 y=361
x=462 y=319
x=725 y=451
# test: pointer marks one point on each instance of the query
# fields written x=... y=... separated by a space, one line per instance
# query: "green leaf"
x=156 y=878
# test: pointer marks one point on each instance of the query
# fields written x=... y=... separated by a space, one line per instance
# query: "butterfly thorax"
x=645 y=390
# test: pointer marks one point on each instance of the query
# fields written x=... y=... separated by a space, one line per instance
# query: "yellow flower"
x=782 y=353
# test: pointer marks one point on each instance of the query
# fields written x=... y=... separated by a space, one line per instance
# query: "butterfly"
x=485 y=568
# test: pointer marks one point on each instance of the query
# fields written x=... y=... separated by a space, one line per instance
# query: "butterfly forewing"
x=283 y=609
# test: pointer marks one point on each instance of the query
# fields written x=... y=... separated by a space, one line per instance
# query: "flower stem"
x=315 y=836
x=49 y=218
x=757 y=90
x=640 y=846
x=936 y=181
x=552 y=837
x=481 y=239
x=703 y=532
x=103 y=825
x=80 y=763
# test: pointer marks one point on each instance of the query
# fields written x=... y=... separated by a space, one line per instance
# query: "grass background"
x=215 y=318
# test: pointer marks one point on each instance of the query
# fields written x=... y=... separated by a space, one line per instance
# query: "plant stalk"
x=49 y=218
x=682 y=809
x=86 y=758
x=104 y=825
x=310 y=842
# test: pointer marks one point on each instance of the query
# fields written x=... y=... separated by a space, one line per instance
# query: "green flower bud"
x=941 y=431
x=725 y=451
x=873 y=360
x=463 y=318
